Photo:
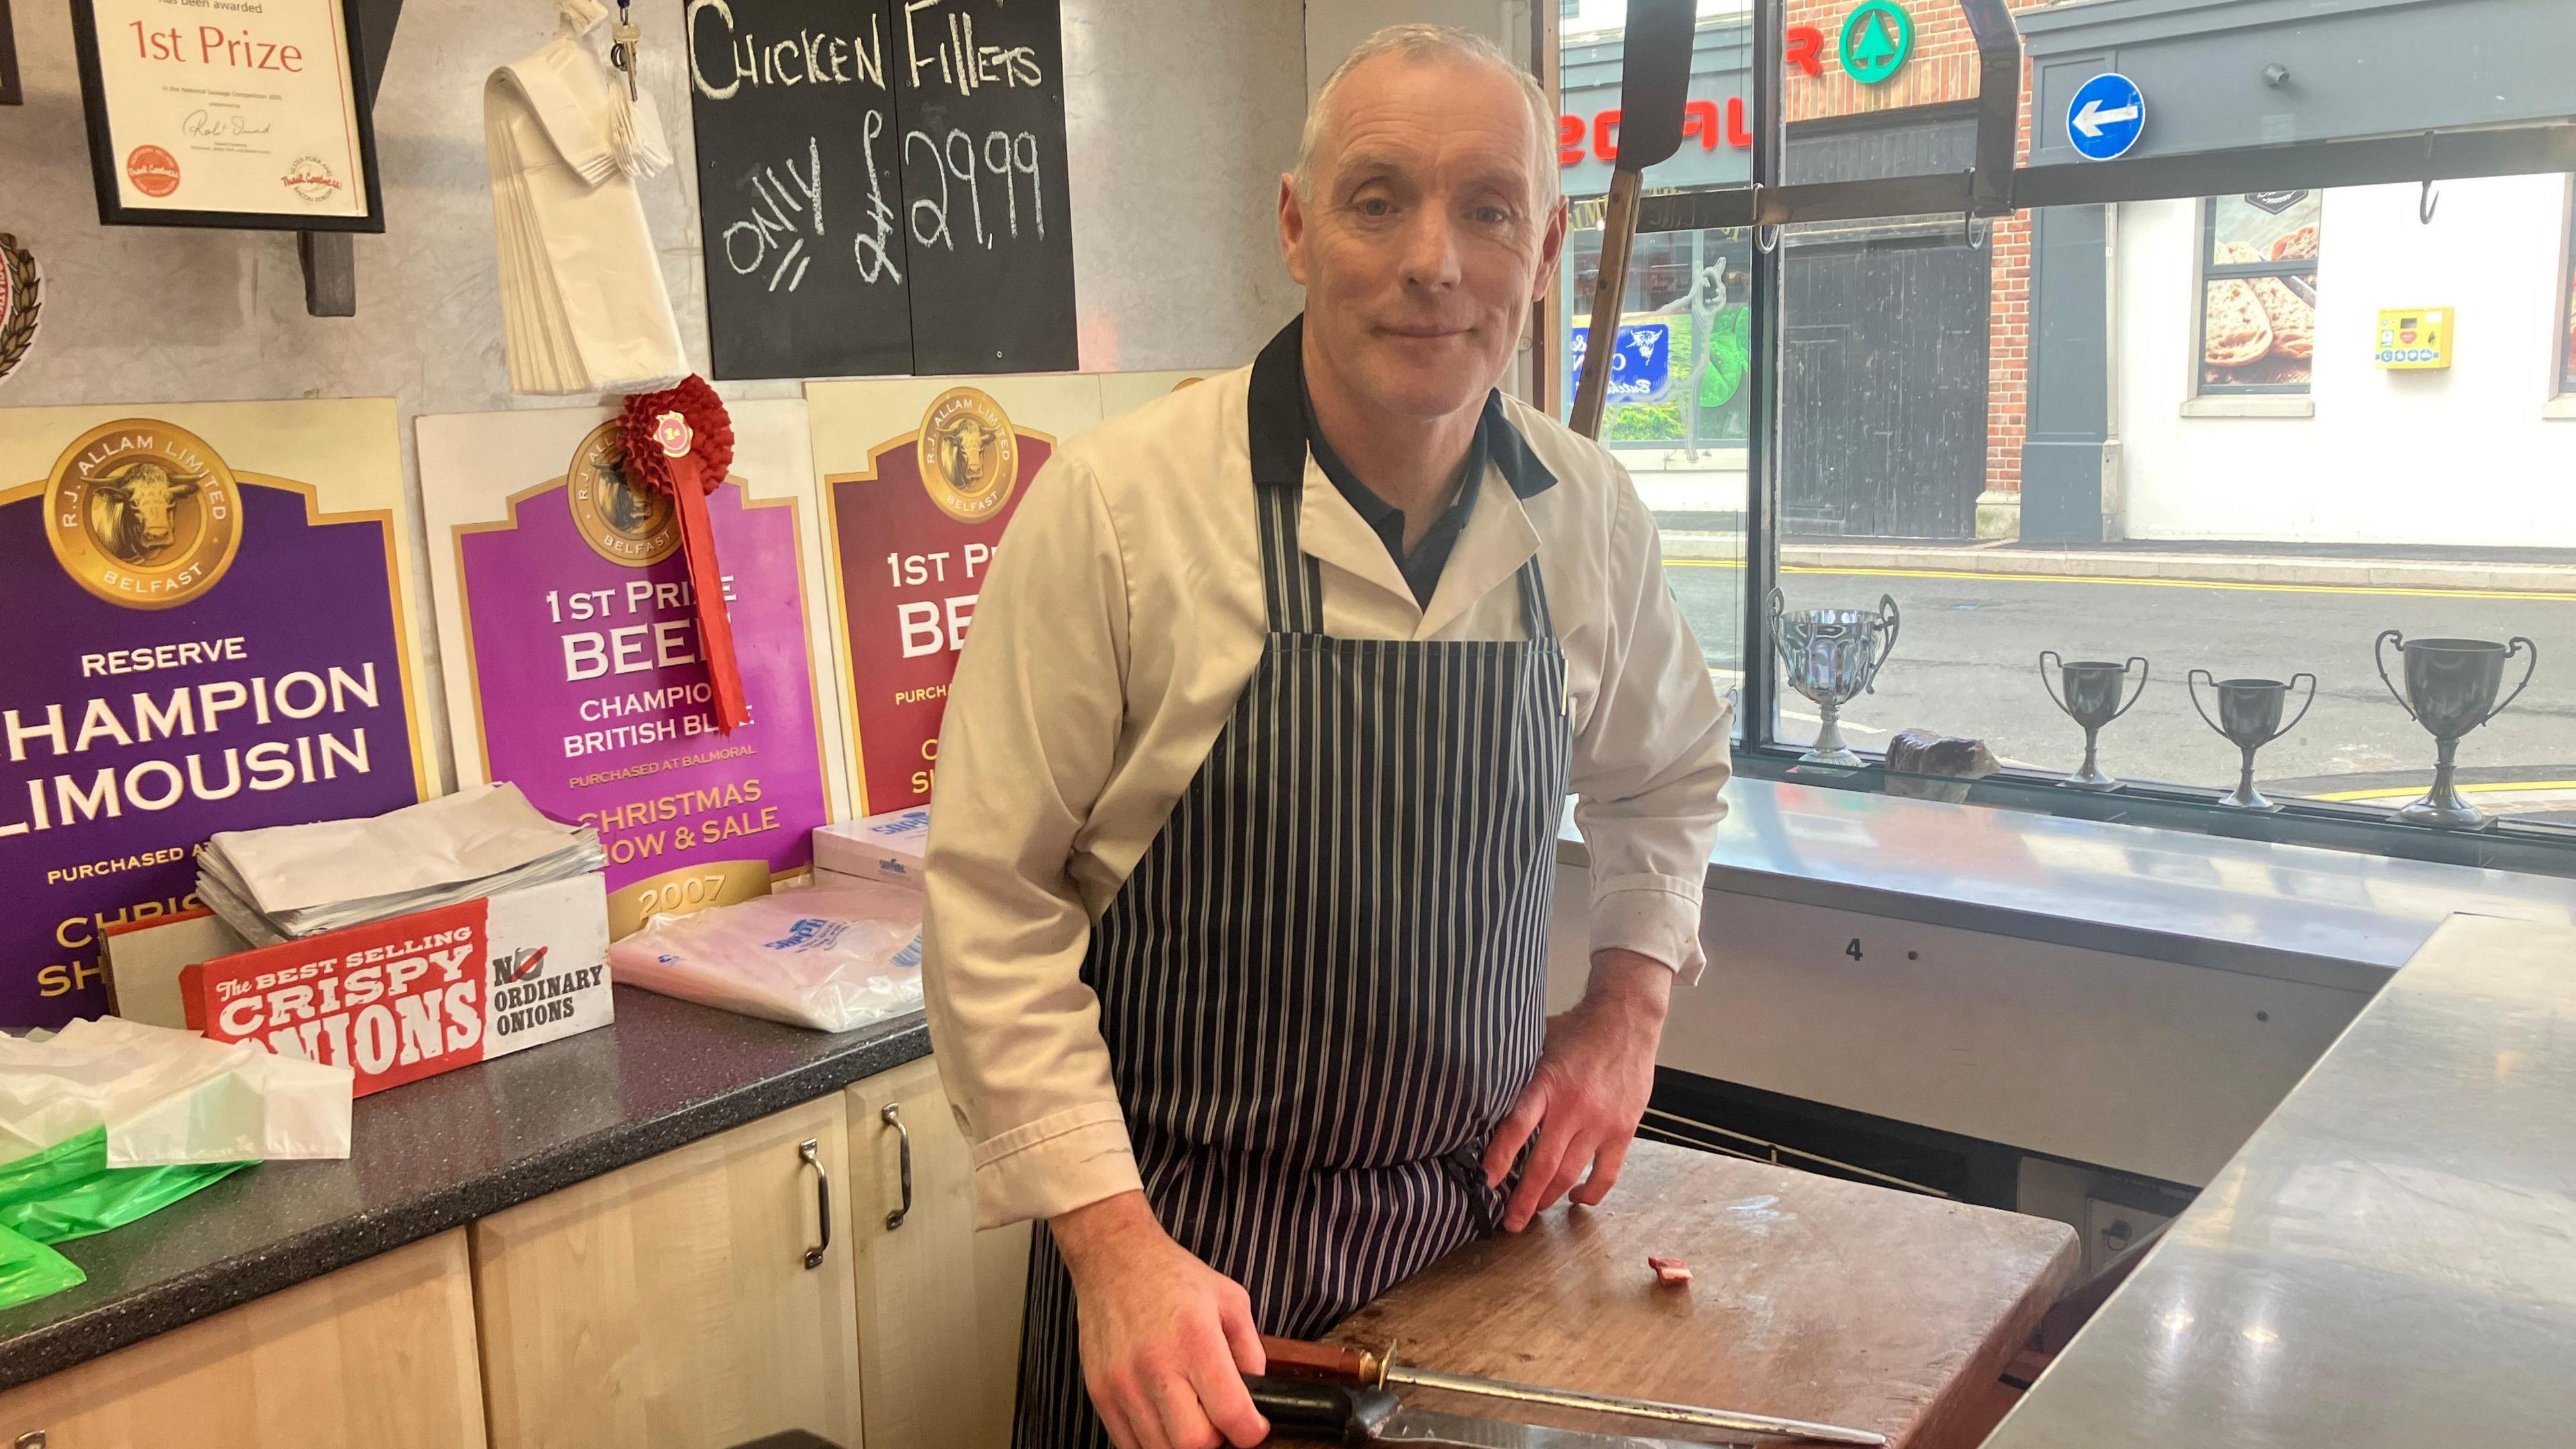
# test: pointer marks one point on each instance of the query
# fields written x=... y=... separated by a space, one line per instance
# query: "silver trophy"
x=2091 y=699
x=2249 y=716
x=1831 y=656
x=2450 y=690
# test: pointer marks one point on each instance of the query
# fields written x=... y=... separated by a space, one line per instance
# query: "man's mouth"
x=1422 y=331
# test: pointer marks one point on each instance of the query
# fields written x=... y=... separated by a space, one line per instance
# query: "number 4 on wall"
x=1853 y=950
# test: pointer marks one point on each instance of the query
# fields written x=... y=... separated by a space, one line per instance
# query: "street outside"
x=1966 y=663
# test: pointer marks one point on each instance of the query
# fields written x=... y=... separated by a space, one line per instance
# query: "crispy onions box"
x=415 y=995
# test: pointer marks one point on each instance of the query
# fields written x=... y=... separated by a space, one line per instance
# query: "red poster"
x=915 y=535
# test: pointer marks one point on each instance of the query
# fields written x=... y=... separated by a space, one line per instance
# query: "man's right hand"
x=1166 y=1340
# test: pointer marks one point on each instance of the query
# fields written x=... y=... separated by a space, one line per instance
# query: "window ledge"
x=2331 y=918
x=2562 y=406
x=2257 y=405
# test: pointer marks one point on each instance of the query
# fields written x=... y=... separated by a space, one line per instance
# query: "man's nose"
x=1431 y=249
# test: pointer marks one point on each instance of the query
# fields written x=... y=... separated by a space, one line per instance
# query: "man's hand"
x=1589 y=1091
x=1166 y=1340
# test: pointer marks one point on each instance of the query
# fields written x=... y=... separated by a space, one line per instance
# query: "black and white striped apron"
x=1325 y=982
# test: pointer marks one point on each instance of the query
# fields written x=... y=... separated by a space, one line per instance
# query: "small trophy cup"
x=2091 y=699
x=2450 y=690
x=1830 y=656
x=2249 y=716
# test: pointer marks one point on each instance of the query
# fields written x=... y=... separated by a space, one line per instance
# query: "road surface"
x=1966 y=662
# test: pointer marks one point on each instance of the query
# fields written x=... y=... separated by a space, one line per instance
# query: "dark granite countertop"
x=436 y=1153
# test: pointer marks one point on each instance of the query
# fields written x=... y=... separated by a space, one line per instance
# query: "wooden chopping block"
x=1812 y=1298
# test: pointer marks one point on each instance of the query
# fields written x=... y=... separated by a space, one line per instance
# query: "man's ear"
x=1551 y=250
x=1292 y=229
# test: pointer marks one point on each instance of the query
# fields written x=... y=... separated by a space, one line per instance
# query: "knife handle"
x=1329 y=1363
x=1328 y=1411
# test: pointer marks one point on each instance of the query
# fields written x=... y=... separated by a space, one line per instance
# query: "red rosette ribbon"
x=680 y=442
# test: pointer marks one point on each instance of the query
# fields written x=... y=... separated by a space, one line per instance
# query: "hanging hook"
x=1761 y=229
x=1971 y=233
x=2426 y=203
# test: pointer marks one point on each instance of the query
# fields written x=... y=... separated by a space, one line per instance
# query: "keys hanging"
x=621 y=46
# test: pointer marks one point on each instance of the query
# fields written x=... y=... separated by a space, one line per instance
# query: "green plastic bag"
x=68 y=1191
x=30 y=1270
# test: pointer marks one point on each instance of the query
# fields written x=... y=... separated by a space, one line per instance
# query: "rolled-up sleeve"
x=1027 y=743
x=1650 y=760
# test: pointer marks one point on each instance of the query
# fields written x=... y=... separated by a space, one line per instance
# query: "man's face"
x=1425 y=236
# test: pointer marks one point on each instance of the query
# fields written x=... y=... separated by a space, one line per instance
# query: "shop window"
x=2258 y=292
x=1939 y=406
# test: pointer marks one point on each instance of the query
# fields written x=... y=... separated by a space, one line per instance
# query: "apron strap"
x=1275 y=425
x=1535 y=618
x=1292 y=583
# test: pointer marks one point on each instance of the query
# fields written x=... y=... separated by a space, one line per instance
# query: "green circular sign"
x=1877 y=37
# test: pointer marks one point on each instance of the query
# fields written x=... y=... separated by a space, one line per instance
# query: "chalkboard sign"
x=800 y=204
x=981 y=95
x=882 y=186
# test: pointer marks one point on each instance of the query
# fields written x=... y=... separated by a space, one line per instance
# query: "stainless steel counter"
x=2390 y=1260
x=2290 y=912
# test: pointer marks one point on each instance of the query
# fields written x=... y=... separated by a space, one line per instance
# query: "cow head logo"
x=143 y=514
x=621 y=522
x=970 y=459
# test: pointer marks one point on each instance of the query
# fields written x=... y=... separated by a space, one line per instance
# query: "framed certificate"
x=232 y=113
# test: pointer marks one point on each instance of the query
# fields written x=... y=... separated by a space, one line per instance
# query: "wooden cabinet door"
x=380 y=1353
x=939 y=1303
x=669 y=1305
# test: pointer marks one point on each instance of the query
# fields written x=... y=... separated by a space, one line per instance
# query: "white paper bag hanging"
x=583 y=306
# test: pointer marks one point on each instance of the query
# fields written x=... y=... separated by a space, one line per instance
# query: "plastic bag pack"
x=831 y=957
x=166 y=1096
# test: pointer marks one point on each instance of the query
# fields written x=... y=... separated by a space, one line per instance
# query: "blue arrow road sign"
x=1641 y=370
x=2105 y=117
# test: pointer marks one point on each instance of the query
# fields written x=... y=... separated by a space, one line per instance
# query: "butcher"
x=1243 y=854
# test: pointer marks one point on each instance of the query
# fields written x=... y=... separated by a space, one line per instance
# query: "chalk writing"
x=1004 y=154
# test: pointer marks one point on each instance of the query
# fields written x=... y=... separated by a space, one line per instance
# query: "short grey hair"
x=1419 y=42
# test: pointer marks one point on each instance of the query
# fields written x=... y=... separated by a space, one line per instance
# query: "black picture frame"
x=112 y=211
x=11 y=93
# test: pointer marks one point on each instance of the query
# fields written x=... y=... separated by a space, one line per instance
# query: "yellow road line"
x=2414 y=790
x=2526 y=595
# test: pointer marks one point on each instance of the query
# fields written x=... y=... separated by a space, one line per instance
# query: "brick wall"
x=1942 y=69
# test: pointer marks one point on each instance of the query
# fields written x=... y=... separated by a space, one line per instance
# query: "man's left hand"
x=1589 y=1092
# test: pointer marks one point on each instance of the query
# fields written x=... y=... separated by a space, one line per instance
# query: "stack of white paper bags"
x=583 y=306
x=301 y=880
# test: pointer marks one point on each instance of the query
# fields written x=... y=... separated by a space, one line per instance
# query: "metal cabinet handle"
x=810 y=1152
x=893 y=1118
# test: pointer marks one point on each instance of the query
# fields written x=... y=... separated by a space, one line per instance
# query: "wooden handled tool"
x=1654 y=80
x=1330 y=1363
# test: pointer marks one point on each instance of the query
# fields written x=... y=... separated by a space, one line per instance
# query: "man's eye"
x=1375 y=206
x=1492 y=215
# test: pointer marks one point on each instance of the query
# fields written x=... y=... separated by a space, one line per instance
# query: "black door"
x=1883 y=409
x=1883 y=331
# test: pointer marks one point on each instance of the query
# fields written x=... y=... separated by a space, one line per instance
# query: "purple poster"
x=593 y=699
x=189 y=650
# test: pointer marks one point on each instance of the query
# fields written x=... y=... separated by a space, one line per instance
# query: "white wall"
x=2457 y=456
x=1333 y=27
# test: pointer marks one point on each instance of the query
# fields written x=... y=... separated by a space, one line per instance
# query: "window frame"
x=1997 y=186
x=2209 y=271
x=2562 y=341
